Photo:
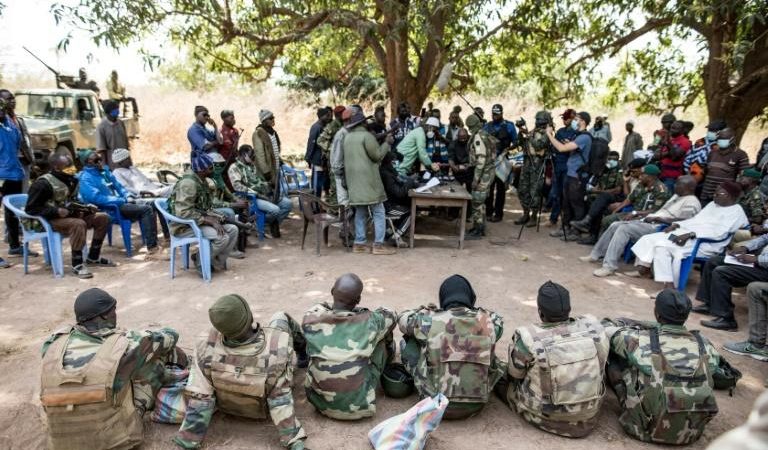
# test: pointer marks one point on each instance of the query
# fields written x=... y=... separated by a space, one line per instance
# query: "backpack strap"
x=655 y=346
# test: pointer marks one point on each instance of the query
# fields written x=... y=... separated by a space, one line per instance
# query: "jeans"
x=277 y=211
x=145 y=215
x=758 y=312
x=717 y=281
x=556 y=192
x=11 y=187
x=612 y=243
x=318 y=182
x=379 y=223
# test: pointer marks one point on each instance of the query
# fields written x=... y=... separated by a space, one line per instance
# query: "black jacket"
x=396 y=188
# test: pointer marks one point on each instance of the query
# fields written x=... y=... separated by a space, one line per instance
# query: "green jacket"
x=362 y=156
x=190 y=199
x=413 y=146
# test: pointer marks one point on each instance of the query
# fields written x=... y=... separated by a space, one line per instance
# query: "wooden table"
x=452 y=195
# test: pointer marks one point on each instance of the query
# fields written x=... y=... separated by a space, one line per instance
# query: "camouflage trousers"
x=531 y=182
x=145 y=388
x=477 y=204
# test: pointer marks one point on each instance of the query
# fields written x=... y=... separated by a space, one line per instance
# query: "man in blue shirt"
x=578 y=150
x=11 y=176
x=314 y=154
x=201 y=138
x=506 y=133
x=564 y=134
x=99 y=187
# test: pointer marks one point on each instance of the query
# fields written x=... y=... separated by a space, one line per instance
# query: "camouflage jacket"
x=456 y=354
x=556 y=374
x=481 y=156
x=649 y=199
x=325 y=139
x=190 y=199
x=341 y=382
x=754 y=206
x=610 y=179
x=277 y=361
x=245 y=179
x=666 y=397
x=143 y=362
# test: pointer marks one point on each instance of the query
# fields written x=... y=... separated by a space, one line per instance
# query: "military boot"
x=532 y=221
x=524 y=218
x=475 y=233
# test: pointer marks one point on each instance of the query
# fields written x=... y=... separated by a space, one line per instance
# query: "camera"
x=520 y=123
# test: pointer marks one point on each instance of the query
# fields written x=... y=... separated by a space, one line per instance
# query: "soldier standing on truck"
x=111 y=133
x=83 y=82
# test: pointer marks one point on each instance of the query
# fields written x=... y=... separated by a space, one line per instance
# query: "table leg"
x=413 y=220
x=463 y=225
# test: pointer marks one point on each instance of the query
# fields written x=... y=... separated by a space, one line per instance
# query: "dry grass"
x=168 y=113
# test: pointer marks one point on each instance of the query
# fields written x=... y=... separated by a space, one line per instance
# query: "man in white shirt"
x=683 y=205
x=133 y=180
x=666 y=249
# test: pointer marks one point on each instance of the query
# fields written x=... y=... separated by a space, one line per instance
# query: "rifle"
x=221 y=218
x=80 y=210
x=59 y=77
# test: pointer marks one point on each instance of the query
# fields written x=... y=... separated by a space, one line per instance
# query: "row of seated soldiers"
x=662 y=373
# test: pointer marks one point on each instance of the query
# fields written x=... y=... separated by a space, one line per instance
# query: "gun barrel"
x=56 y=73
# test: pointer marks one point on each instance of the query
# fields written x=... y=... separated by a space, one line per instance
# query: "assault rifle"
x=221 y=218
x=80 y=210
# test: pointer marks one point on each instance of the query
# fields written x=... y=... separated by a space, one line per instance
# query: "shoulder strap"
x=655 y=346
x=700 y=341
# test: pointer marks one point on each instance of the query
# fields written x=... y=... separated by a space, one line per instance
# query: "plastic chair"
x=293 y=180
x=628 y=256
x=686 y=265
x=163 y=174
x=261 y=216
x=51 y=240
x=184 y=242
x=125 y=228
x=322 y=219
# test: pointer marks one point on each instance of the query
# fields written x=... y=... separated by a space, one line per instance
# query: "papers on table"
x=732 y=260
x=434 y=181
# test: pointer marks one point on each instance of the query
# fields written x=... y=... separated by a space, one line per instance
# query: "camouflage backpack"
x=680 y=402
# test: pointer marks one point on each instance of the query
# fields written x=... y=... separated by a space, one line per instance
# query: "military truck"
x=63 y=120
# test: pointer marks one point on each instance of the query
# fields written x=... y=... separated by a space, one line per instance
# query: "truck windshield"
x=44 y=106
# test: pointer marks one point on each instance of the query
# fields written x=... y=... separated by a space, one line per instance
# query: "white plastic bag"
x=410 y=430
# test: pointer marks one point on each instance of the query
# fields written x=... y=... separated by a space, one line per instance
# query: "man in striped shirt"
x=726 y=162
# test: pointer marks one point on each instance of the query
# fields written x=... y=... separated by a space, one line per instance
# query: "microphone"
x=444 y=78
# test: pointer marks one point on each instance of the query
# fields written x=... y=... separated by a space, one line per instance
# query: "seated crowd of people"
x=556 y=374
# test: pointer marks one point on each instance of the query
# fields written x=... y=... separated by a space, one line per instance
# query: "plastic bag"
x=169 y=401
x=410 y=430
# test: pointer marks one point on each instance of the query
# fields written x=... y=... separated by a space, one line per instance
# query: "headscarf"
x=456 y=291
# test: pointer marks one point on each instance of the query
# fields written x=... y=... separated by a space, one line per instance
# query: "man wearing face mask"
x=99 y=187
x=671 y=154
x=695 y=161
x=506 y=135
x=458 y=158
x=603 y=191
x=726 y=161
x=49 y=198
x=111 y=133
x=559 y=167
x=413 y=147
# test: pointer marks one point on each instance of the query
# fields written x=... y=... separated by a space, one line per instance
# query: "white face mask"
x=711 y=136
x=430 y=134
x=723 y=143
x=612 y=163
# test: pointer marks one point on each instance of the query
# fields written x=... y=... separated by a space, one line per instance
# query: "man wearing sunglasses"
x=202 y=138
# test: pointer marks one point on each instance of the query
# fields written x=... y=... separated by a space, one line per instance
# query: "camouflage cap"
x=231 y=315
x=543 y=117
x=473 y=122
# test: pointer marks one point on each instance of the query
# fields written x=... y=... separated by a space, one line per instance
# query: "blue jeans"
x=556 y=192
x=318 y=182
x=277 y=211
x=379 y=223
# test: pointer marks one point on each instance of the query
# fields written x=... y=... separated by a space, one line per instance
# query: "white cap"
x=631 y=122
x=120 y=154
x=433 y=122
x=216 y=157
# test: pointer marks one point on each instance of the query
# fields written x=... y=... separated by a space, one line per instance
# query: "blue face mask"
x=114 y=113
x=575 y=125
x=723 y=143
x=711 y=136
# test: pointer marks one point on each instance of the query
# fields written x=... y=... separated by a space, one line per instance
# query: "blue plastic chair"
x=125 y=228
x=261 y=216
x=687 y=263
x=184 y=242
x=628 y=256
x=51 y=240
x=293 y=180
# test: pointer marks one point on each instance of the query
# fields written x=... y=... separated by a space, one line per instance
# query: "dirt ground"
x=280 y=276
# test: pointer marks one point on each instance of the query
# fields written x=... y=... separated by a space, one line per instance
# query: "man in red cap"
x=564 y=134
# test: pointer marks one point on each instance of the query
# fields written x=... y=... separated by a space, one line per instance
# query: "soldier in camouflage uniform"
x=647 y=198
x=98 y=381
x=325 y=142
x=663 y=374
x=246 y=370
x=556 y=367
x=348 y=347
x=752 y=200
x=482 y=149
x=450 y=349
x=603 y=190
x=536 y=149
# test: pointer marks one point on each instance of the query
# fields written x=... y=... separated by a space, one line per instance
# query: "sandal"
x=101 y=262
x=82 y=272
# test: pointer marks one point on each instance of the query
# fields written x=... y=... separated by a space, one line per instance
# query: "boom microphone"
x=445 y=77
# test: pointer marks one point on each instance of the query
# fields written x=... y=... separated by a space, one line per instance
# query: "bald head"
x=685 y=185
x=346 y=291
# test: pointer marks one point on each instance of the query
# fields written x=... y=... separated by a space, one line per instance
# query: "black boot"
x=524 y=218
x=583 y=224
x=274 y=229
x=475 y=233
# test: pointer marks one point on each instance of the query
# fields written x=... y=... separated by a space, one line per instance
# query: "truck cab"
x=63 y=120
